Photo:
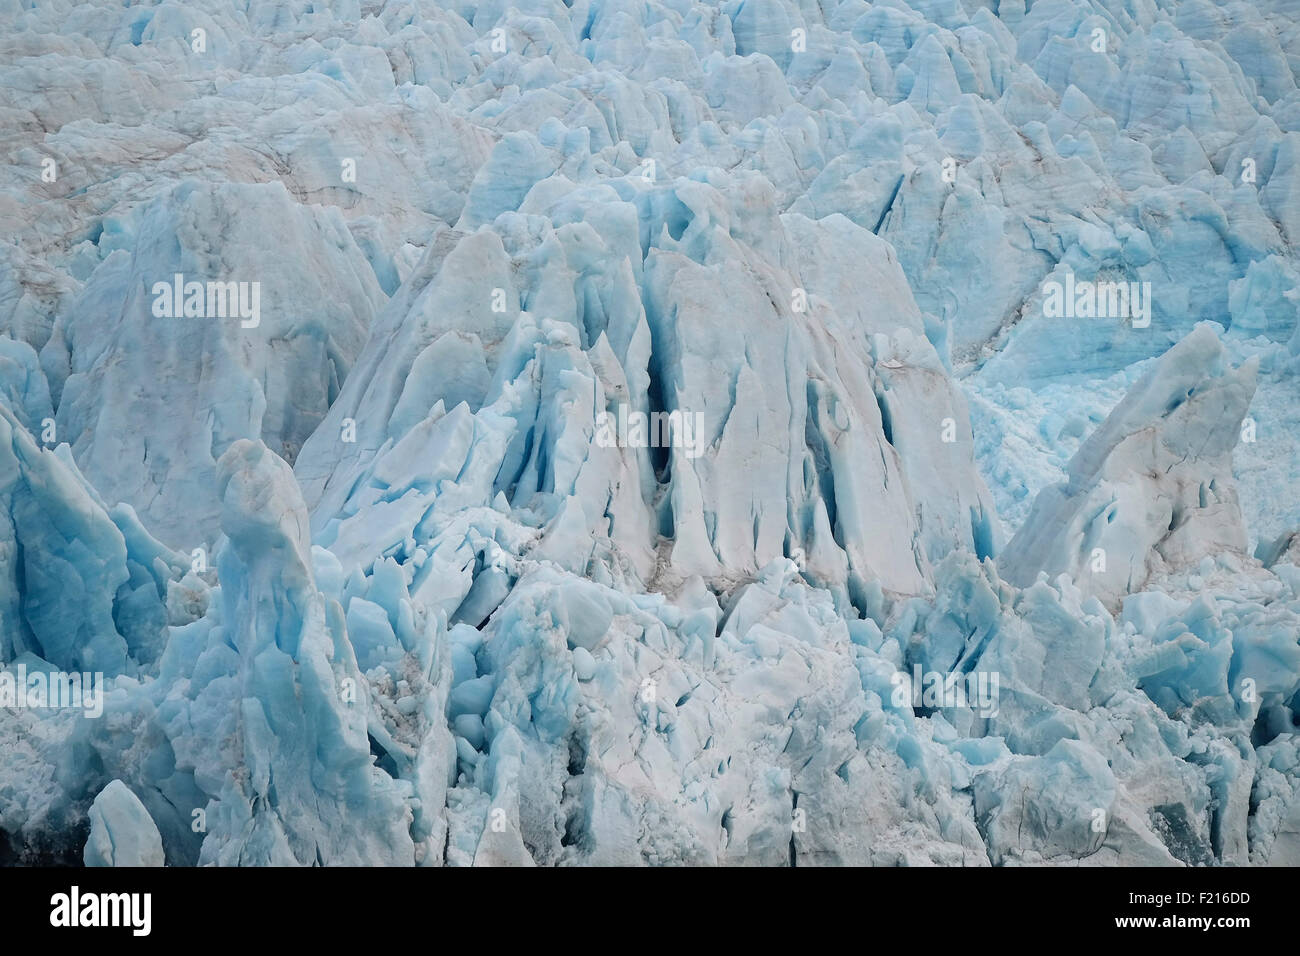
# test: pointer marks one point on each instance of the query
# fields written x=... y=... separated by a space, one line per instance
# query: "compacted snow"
x=650 y=431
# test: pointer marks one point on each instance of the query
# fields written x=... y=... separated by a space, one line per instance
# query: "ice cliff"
x=786 y=432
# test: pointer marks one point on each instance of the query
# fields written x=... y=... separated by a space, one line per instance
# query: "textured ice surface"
x=121 y=831
x=892 y=559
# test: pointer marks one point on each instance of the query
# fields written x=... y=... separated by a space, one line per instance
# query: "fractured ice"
x=325 y=326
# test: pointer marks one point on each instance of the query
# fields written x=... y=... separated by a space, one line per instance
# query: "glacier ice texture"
x=611 y=433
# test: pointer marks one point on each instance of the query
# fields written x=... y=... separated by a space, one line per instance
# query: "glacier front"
x=617 y=432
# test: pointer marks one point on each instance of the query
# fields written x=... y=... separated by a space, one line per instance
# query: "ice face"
x=1151 y=489
x=121 y=830
x=607 y=433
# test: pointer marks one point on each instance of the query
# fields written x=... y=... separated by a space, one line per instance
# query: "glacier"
x=908 y=565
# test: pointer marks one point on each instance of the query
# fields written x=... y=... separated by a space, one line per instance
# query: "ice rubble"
x=459 y=629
